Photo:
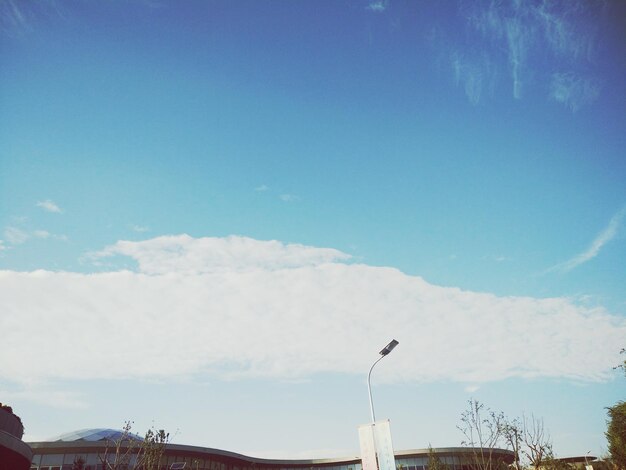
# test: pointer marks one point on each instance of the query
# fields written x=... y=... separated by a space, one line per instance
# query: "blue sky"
x=214 y=214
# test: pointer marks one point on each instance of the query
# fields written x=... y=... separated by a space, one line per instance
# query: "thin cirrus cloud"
x=235 y=306
x=604 y=237
x=476 y=74
x=574 y=92
x=516 y=34
x=19 y=17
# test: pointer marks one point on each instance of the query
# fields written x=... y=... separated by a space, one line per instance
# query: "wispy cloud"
x=572 y=91
x=17 y=236
x=139 y=228
x=518 y=36
x=279 y=300
x=378 y=6
x=19 y=17
x=41 y=234
x=597 y=244
x=49 y=206
x=288 y=197
x=12 y=16
x=475 y=74
x=41 y=393
x=261 y=188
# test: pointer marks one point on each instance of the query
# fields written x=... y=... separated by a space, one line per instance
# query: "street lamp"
x=385 y=351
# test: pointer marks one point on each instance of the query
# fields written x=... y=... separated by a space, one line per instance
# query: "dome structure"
x=95 y=435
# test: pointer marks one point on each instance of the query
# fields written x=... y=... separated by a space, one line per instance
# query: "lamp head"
x=387 y=349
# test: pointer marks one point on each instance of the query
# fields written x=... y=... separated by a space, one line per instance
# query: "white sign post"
x=376 y=446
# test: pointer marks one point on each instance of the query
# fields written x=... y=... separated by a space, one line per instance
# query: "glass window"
x=92 y=459
x=52 y=459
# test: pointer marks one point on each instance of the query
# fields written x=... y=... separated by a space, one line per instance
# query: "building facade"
x=87 y=448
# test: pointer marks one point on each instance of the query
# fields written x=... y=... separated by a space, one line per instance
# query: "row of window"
x=173 y=466
x=174 y=462
x=196 y=466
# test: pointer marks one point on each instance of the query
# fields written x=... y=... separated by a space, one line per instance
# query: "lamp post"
x=385 y=351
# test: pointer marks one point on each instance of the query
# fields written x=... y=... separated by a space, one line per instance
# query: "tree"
x=434 y=462
x=537 y=446
x=152 y=449
x=483 y=431
x=129 y=453
x=79 y=464
x=512 y=430
x=616 y=434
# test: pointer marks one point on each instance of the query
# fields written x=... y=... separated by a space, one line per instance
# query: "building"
x=90 y=446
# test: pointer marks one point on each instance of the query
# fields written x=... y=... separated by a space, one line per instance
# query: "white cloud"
x=288 y=197
x=602 y=239
x=184 y=254
x=472 y=388
x=236 y=306
x=261 y=188
x=49 y=206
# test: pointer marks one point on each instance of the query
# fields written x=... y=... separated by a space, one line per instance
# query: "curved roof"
x=13 y=452
x=95 y=435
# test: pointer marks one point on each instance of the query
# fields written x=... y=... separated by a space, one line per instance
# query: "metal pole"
x=386 y=350
x=369 y=389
